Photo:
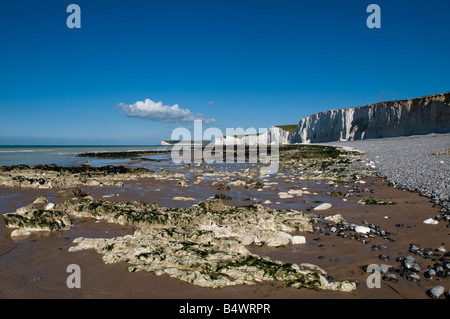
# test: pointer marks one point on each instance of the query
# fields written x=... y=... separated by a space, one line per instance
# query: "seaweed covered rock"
x=201 y=259
x=32 y=219
x=53 y=176
x=71 y=192
x=204 y=244
x=254 y=224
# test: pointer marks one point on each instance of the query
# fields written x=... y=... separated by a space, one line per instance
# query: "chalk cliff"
x=424 y=115
x=274 y=135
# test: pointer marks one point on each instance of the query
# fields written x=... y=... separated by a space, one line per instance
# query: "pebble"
x=362 y=229
x=439 y=271
x=430 y=274
x=390 y=277
x=430 y=221
x=384 y=269
x=418 y=172
x=436 y=292
x=323 y=206
x=415 y=267
x=413 y=277
x=20 y=233
x=410 y=264
x=441 y=249
x=413 y=248
x=383 y=257
x=297 y=240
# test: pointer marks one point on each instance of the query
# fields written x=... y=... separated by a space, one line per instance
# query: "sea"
x=65 y=155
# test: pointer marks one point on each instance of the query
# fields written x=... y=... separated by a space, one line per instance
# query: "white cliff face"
x=274 y=135
x=428 y=114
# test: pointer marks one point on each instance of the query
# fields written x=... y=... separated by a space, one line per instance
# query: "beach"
x=346 y=185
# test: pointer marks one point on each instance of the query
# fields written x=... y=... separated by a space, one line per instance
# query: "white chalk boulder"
x=298 y=240
x=20 y=233
x=40 y=200
x=323 y=206
x=430 y=221
x=183 y=198
x=362 y=229
x=283 y=195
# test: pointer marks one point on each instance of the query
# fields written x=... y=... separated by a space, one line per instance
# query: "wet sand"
x=36 y=267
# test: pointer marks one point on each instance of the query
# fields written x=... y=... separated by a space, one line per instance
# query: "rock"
x=410 y=264
x=413 y=277
x=267 y=202
x=415 y=267
x=297 y=240
x=238 y=182
x=436 y=292
x=182 y=184
x=384 y=257
x=40 y=200
x=323 y=206
x=440 y=271
x=413 y=248
x=49 y=206
x=441 y=249
x=430 y=221
x=222 y=196
x=93 y=182
x=183 y=198
x=214 y=205
x=295 y=192
x=390 y=277
x=35 y=219
x=335 y=218
x=275 y=239
x=204 y=244
x=20 y=233
x=25 y=210
x=71 y=192
x=119 y=184
x=284 y=195
x=372 y=201
x=362 y=229
x=430 y=274
x=384 y=269
x=55 y=177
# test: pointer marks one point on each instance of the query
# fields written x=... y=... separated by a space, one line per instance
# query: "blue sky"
x=235 y=63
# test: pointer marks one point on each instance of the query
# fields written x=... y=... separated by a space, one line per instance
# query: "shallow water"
x=64 y=155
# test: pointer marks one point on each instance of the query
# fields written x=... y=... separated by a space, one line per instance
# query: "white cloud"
x=210 y=102
x=156 y=111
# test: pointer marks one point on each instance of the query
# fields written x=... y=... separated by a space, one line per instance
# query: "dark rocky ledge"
x=119 y=155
